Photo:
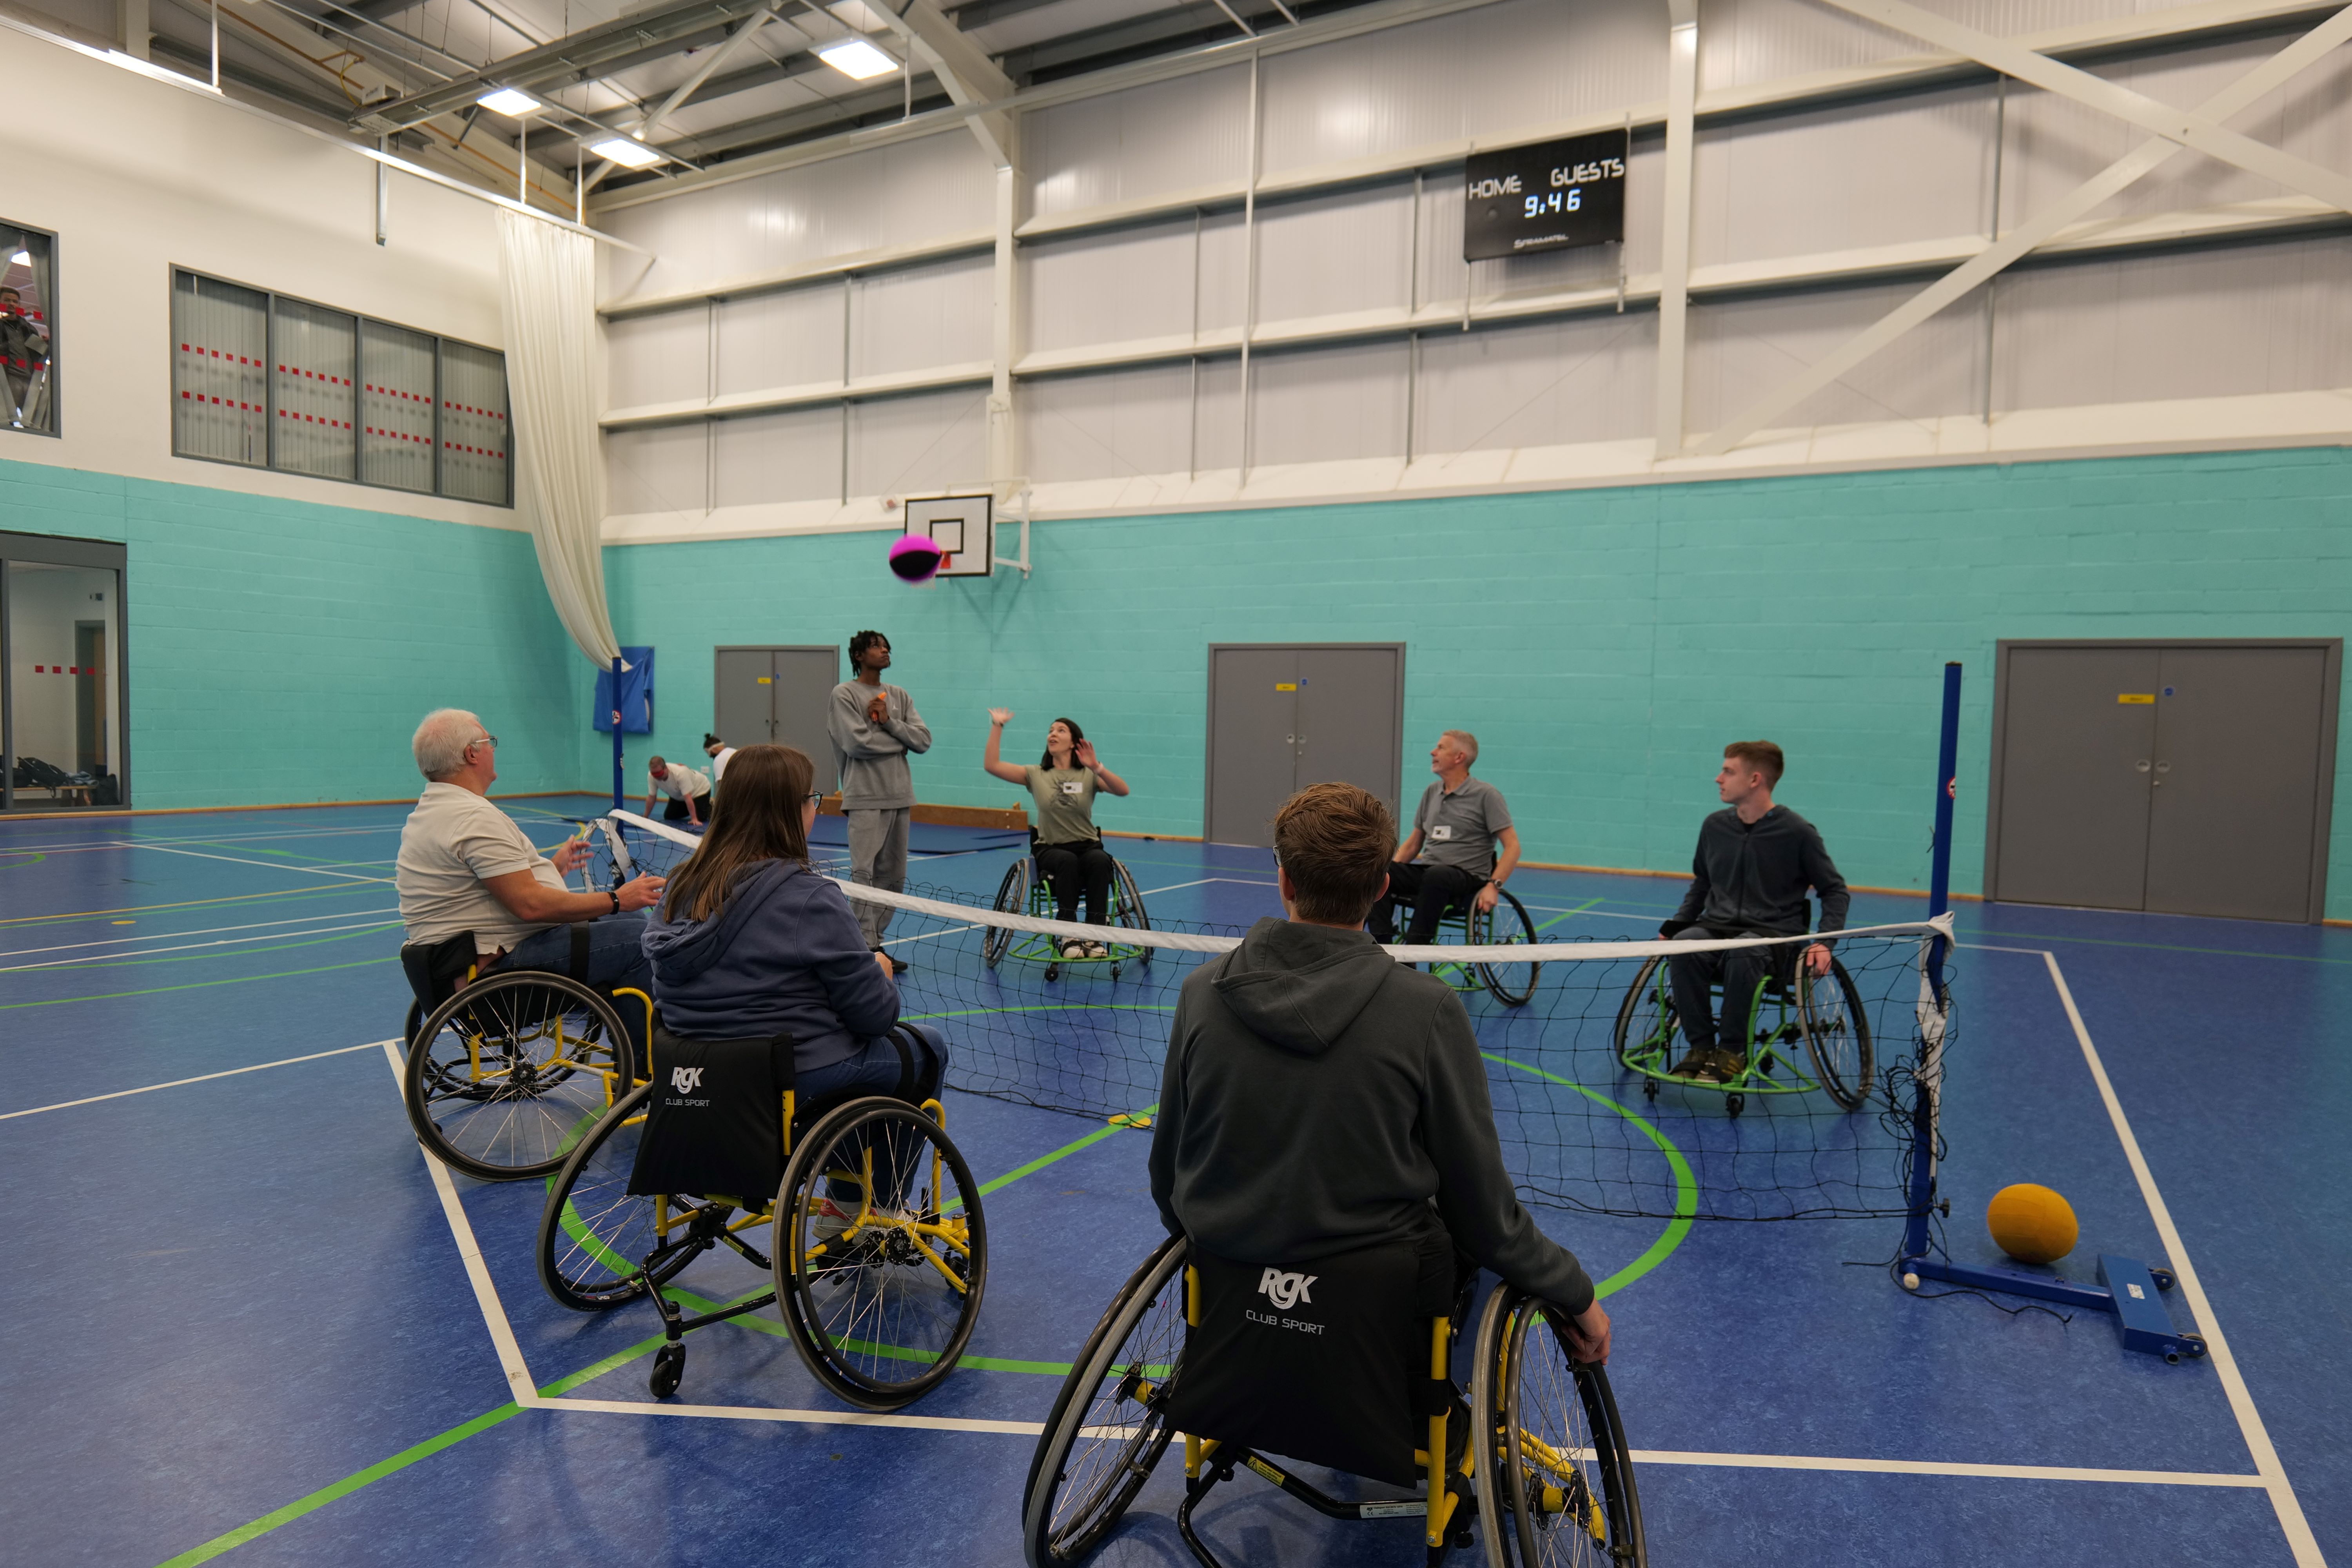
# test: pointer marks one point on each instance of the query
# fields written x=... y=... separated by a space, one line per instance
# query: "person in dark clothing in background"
x=1319 y=1096
x=1749 y=877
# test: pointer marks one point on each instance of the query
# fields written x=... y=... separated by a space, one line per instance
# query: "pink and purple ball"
x=916 y=558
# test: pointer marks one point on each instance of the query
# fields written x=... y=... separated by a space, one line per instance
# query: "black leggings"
x=676 y=811
x=1068 y=867
x=1434 y=891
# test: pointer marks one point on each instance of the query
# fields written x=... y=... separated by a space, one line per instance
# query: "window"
x=270 y=380
x=28 y=329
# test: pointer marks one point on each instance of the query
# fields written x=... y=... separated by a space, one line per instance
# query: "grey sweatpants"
x=877 y=859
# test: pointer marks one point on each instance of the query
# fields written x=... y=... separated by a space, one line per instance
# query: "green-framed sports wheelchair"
x=877 y=1247
x=1807 y=1033
x=1505 y=925
x=1023 y=891
x=503 y=1067
x=1355 y=1379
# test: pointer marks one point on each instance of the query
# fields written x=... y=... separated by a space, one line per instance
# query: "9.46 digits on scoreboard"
x=1548 y=197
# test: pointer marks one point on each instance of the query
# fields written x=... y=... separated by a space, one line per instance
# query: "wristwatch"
x=615 y=894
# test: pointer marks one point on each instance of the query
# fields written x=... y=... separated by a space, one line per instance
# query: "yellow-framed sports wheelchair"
x=1023 y=891
x=503 y=1068
x=1506 y=925
x=1789 y=1010
x=877 y=1249
x=1344 y=1363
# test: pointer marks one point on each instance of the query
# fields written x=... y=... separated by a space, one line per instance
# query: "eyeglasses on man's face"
x=482 y=741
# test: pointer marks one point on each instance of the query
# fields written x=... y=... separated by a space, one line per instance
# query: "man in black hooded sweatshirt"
x=1319 y=1096
x=1748 y=877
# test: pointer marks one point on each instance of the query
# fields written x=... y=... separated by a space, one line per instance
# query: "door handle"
x=2141 y=764
x=2164 y=767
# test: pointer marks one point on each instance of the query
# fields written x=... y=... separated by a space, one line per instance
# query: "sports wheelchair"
x=1347 y=1368
x=878 y=1250
x=505 y=1067
x=1024 y=891
x=1504 y=925
x=1791 y=1007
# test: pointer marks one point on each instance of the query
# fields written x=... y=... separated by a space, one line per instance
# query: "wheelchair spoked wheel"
x=1012 y=899
x=1646 y=1023
x=1128 y=909
x=879 y=1288
x=1505 y=924
x=1837 y=1033
x=503 y=1075
x=1558 y=1484
x=1108 y=1425
x=594 y=1234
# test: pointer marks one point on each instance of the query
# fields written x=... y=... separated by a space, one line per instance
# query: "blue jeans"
x=875 y=1069
x=617 y=957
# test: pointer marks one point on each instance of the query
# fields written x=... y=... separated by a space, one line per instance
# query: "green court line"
x=1685 y=1184
x=199 y=984
x=313 y=892
x=22 y=857
x=1565 y=914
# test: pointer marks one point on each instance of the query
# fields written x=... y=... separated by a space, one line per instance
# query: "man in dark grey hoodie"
x=1319 y=1096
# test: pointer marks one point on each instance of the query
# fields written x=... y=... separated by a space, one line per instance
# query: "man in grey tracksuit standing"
x=874 y=728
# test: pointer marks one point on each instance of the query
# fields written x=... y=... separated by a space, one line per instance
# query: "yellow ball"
x=2032 y=1224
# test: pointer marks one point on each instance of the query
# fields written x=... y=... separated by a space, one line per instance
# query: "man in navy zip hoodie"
x=1748 y=877
x=1318 y=1097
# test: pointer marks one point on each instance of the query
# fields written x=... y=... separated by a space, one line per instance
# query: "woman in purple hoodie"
x=749 y=940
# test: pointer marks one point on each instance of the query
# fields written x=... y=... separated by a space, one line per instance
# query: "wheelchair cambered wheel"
x=594 y=1234
x=505 y=1074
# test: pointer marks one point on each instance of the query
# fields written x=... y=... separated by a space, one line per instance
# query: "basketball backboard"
x=963 y=526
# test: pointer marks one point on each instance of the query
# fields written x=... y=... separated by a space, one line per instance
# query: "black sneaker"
x=1727 y=1067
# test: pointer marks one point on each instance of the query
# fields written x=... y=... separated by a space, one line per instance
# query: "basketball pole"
x=2127 y=1288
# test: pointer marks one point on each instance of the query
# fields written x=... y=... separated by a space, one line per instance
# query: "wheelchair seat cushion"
x=1326 y=1363
x=714 y=1121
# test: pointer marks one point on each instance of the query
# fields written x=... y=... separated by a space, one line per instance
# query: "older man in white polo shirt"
x=1463 y=838
x=465 y=866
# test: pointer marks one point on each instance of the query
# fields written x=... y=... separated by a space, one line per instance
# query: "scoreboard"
x=1550 y=196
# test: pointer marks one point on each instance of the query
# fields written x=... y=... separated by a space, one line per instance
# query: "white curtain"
x=549 y=277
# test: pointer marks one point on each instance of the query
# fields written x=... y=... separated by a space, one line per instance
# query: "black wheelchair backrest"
x=434 y=969
x=1324 y=1362
x=714 y=1121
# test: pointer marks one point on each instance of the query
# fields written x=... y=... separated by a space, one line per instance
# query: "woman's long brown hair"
x=755 y=819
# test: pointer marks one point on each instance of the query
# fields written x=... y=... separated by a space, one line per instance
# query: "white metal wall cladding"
x=795 y=455
x=1320 y=405
x=661 y=358
x=1130 y=146
x=906 y=445
x=1113 y=288
x=915 y=317
x=892 y=196
x=1299 y=242
x=1742 y=349
x=395 y=406
x=1548 y=384
x=661 y=468
x=220 y=371
x=1113 y=424
x=790 y=338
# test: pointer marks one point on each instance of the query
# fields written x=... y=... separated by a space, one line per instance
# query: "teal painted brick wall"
x=283 y=650
x=1603 y=644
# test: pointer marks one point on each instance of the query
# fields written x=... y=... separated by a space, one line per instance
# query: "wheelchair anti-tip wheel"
x=1108 y=1425
x=1556 y=1475
x=504 y=1076
x=595 y=1234
x=881 y=1251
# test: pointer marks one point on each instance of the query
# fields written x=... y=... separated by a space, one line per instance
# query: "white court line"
x=191 y=946
x=272 y=865
x=204 y=930
x=2241 y=1402
x=204 y=1078
x=1935 y=1468
x=81 y=846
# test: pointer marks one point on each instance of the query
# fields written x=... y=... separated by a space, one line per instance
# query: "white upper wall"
x=136 y=176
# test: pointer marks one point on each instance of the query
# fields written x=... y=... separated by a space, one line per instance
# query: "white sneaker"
x=1097 y=950
x=1073 y=948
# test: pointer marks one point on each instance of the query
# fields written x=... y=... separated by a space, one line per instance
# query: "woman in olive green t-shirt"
x=1069 y=849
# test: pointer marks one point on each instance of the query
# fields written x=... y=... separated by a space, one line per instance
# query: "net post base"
x=2128 y=1290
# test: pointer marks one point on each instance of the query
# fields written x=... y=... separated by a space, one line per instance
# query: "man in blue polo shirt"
x=1449 y=859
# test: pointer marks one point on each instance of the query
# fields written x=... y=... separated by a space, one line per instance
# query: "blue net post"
x=1926 y=1083
x=616 y=732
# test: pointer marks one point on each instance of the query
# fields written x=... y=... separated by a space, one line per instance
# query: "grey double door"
x=779 y=694
x=1286 y=715
x=2185 y=778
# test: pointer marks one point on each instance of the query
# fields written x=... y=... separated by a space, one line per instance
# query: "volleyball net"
x=1825 y=1113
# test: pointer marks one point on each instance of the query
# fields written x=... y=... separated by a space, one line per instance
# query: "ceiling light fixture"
x=856 y=59
x=627 y=153
x=509 y=101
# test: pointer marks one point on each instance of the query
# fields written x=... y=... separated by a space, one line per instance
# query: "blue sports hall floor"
x=239 y=1321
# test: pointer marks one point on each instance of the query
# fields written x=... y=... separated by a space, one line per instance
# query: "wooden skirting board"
x=1010 y=818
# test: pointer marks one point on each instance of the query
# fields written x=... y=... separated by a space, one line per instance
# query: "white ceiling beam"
x=1673 y=249
x=2264 y=79
x=2184 y=126
x=734 y=45
x=963 y=68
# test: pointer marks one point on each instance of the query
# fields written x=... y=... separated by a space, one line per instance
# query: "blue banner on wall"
x=637 y=703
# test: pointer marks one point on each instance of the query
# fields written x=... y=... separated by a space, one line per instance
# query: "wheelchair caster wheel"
x=2163 y=1277
x=1114 y=972
x=1052 y=971
x=1735 y=1103
x=669 y=1366
x=1649 y=1088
